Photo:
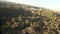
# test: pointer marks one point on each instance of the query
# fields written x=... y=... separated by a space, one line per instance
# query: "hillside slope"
x=25 y=19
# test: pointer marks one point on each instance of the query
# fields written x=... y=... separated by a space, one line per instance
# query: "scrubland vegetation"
x=24 y=20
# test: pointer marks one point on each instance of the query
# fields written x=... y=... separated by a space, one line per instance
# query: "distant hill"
x=16 y=5
x=8 y=7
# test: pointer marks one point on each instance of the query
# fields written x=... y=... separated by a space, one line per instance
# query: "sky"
x=50 y=4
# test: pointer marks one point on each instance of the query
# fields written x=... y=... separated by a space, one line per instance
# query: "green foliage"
x=31 y=22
